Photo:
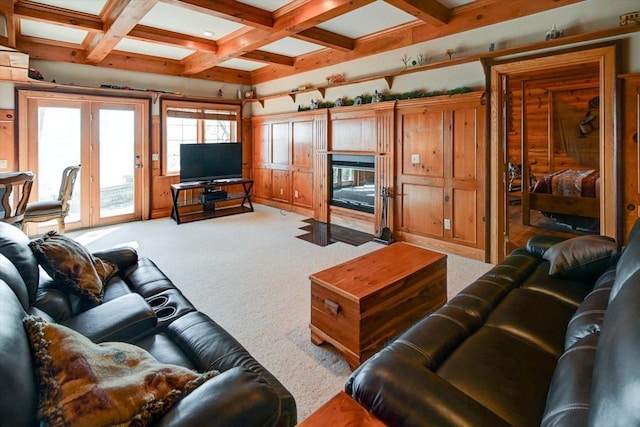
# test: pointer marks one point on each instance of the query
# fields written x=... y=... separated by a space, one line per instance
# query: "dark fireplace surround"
x=352 y=183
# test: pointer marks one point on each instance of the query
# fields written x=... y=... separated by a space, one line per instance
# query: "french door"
x=105 y=136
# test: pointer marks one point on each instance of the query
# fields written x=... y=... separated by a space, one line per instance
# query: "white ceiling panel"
x=454 y=3
x=242 y=64
x=146 y=48
x=291 y=47
x=93 y=7
x=367 y=20
x=186 y=21
x=270 y=5
x=51 y=32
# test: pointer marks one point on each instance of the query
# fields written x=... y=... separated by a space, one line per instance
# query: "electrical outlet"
x=447 y=224
x=4 y=164
x=282 y=191
x=415 y=159
x=295 y=194
x=155 y=157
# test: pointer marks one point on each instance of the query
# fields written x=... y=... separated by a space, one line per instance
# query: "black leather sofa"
x=519 y=347
x=141 y=306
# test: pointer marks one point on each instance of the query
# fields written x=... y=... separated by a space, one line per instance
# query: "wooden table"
x=360 y=305
x=341 y=411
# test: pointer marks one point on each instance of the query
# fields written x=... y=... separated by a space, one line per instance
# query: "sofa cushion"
x=70 y=263
x=570 y=390
x=101 y=384
x=582 y=257
x=589 y=316
x=14 y=244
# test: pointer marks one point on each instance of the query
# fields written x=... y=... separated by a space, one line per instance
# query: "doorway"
x=600 y=58
x=104 y=135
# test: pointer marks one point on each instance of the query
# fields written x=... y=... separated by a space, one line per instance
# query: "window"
x=187 y=122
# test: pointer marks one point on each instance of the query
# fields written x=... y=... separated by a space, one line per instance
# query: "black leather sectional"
x=519 y=347
x=143 y=307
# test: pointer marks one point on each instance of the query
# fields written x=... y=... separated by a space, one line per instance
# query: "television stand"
x=188 y=206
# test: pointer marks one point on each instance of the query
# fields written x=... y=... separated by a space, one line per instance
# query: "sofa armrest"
x=237 y=397
x=402 y=393
x=124 y=257
x=120 y=319
x=538 y=245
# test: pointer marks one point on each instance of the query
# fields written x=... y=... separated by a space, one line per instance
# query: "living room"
x=458 y=66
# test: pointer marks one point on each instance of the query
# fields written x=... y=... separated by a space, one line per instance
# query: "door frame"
x=605 y=54
x=25 y=152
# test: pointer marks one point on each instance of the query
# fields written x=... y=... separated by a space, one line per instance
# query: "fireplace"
x=353 y=182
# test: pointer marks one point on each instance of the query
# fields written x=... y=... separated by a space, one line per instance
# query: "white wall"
x=586 y=16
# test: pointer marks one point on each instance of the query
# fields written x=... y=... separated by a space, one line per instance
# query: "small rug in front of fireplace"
x=323 y=234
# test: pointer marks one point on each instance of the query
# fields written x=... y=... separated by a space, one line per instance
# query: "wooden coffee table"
x=360 y=305
x=341 y=411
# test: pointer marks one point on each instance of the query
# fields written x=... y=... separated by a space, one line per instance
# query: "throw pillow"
x=582 y=257
x=70 y=263
x=87 y=384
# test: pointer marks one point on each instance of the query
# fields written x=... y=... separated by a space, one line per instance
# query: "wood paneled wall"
x=531 y=115
x=8 y=140
x=631 y=151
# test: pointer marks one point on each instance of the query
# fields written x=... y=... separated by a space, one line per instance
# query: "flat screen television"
x=210 y=162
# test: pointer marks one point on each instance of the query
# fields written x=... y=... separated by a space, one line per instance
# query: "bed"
x=570 y=196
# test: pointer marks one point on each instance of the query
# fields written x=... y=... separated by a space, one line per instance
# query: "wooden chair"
x=55 y=209
x=15 y=188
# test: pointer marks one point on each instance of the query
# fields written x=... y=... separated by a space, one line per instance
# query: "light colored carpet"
x=250 y=274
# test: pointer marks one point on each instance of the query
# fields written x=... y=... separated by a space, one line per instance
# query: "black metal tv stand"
x=188 y=206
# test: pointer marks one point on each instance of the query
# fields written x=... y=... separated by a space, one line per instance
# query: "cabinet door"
x=280 y=186
x=261 y=144
x=302 y=143
x=422 y=171
x=262 y=183
x=465 y=187
x=280 y=147
x=303 y=189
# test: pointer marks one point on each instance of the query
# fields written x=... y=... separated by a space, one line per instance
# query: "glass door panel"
x=117 y=162
x=59 y=131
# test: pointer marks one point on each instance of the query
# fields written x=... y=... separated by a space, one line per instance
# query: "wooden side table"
x=341 y=411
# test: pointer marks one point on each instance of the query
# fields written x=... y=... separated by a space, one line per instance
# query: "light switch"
x=295 y=194
x=447 y=224
x=4 y=164
x=415 y=159
x=155 y=156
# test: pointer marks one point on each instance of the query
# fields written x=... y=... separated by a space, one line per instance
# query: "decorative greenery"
x=366 y=99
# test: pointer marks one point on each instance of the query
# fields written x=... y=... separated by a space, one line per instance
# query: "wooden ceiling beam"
x=463 y=18
x=294 y=20
x=7 y=9
x=121 y=19
x=327 y=39
x=55 y=15
x=130 y=62
x=171 y=38
x=230 y=10
x=429 y=11
x=269 y=57
x=312 y=13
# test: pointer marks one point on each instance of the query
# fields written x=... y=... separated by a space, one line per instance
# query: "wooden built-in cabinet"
x=631 y=152
x=441 y=173
x=283 y=160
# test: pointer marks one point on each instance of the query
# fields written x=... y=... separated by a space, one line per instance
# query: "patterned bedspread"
x=570 y=182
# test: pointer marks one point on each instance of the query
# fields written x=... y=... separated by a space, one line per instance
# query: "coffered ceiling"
x=239 y=41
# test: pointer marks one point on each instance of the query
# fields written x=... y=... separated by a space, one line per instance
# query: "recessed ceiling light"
x=208 y=33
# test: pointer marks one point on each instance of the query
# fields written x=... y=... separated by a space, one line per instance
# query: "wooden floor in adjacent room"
x=540 y=224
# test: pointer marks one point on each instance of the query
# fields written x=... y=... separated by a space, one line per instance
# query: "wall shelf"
x=389 y=77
